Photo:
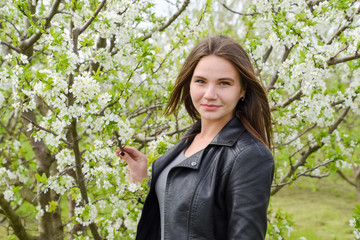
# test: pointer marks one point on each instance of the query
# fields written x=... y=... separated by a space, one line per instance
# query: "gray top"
x=160 y=186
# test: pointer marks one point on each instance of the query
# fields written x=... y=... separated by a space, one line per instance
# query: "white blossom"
x=40 y=212
x=8 y=57
x=23 y=59
x=84 y=88
x=357 y=233
x=130 y=224
x=64 y=158
x=352 y=222
x=132 y=187
x=2 y=99
x=9 y=195
x=92 y=212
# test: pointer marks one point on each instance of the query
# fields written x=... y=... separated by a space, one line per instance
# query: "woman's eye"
x=224 y=83
x=199 y=81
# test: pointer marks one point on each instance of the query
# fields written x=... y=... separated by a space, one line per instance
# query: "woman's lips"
x=210 y=107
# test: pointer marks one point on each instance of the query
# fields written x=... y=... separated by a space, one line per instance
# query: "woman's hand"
x=136 y=161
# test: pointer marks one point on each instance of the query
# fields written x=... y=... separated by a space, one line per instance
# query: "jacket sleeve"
x=248 y=193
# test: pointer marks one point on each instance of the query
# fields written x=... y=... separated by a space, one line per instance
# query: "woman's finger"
x=118 y=151
x=129 y=160
x=134 y=153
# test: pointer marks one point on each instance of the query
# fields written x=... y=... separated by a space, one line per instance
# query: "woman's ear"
x=242 y=95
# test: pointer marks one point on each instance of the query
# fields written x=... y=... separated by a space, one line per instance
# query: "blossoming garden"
x=80 y=78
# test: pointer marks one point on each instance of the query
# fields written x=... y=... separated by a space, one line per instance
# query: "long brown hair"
x=253 y=110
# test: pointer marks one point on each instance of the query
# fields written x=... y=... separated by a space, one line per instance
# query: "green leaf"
x=38 y=177
x=357 y=210
x=44 y=177
x=52 y=206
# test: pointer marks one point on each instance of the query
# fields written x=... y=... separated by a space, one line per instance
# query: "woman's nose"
x=210 y=92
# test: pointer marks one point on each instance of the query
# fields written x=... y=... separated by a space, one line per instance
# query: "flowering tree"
x=78 y=79
x=307 y=55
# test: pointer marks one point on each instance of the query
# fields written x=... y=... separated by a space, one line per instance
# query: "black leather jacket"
x=219 y=193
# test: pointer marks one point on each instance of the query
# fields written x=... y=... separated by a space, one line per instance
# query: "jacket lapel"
x=165 y=159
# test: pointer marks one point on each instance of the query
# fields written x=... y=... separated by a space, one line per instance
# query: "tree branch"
x=44 y=129
x=342 y=175
x=203 y=14
x=169 y=22
x=25 y=44
x=337 y=60
x=304 y=173
x=337 y=103
x=87 y=24
x=267 y=54
x=343 y=28
x=165 y=58
x=292 y=98
x=341 y=50
x=142 y=110
x=17 y=30
x=312 y=3
x=298 y=136
x=239 y=13
x=44 y=160
x=305 y=155
x=275 y=76
x=131 y=75
x=317 y=176
x=77 y=31
x=101 y=113
x=12 y=121
x=10 y=46
x=148 y=139
x=49 y=184
x=47 y=105
x=339 y=120
x=14 y=220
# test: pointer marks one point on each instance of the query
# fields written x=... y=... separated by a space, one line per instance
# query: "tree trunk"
x=58 y=227
x=71 y=208
x=44 y=161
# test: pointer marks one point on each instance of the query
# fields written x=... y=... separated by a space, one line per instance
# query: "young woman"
x=215 y=182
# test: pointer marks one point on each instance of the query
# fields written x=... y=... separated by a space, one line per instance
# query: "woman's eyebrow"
x=227 y=78
x=197 y=76
x=220 y=79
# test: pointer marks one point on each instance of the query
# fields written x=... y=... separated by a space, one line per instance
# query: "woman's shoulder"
x=247 y=154
x=247 y=144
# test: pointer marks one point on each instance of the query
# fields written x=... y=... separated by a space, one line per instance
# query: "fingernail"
x=122 y=153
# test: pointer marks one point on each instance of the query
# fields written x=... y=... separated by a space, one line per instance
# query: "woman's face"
x=215 y=89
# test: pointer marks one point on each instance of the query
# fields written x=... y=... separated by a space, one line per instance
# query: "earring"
x=242 y=98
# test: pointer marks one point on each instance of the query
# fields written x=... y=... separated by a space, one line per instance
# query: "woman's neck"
x=209 y=129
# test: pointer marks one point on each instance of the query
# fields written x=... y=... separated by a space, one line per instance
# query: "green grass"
x=321 y=209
